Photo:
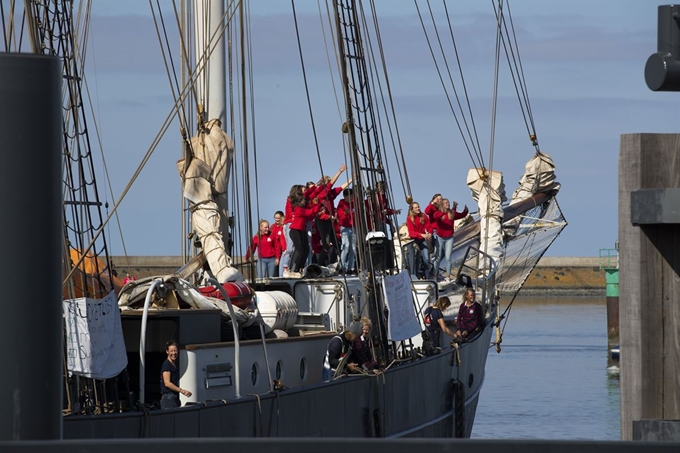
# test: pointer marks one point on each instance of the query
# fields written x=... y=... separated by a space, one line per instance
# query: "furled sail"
x=539 y=176
x=205 y=177
x=488 y=190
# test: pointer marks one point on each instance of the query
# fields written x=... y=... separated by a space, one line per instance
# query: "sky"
x=583 y=62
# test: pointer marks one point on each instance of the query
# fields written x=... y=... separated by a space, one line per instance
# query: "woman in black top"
x=434 y=320
x=170 y=389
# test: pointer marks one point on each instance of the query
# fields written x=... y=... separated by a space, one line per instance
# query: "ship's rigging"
x=357 y=46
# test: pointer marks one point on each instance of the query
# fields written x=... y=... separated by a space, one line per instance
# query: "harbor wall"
x=572 y=275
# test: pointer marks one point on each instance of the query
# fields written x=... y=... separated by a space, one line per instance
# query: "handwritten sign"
x=94 y=337
x=402 y=322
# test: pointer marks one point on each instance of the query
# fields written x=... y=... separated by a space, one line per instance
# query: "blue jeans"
x=327 y=375
x=444 y=250
x=169 y=400
x=265 y=267
x=286 y=255
x=348 y=248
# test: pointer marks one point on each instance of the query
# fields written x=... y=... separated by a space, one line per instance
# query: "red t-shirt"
x=279 y=238
x=445 y=224
x=267 y=245
x=417 y=226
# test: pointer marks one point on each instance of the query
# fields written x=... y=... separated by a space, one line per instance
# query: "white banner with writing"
x=402 y=322
x=94 y=337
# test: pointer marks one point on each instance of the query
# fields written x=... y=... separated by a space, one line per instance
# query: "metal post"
x=662 y=71
x=31 y=384
x=142 y=340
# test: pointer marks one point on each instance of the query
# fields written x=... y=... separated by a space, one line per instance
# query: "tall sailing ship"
x=252 y=350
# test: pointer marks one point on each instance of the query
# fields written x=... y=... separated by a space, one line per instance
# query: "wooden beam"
x=649 y=257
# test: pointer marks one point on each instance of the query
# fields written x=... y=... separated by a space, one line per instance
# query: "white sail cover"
x=205 y=178
x=94 y=337
x=539 y=176
x=488 y=189
x=402 y=323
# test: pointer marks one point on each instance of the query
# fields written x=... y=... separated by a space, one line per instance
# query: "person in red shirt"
x=430 y=210
x=346 y=219
x=287 y=255
x=379 y=218
x=418 y=230
x=303 y=213
x=378 y=208
x=444 y=219
x=268 y=256
x=433 y=206
x=326 y=216
x=309 y=191
x=278 y=232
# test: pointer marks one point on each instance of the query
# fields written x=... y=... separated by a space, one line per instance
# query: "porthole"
x=253 y=373
x=471 y=380
x=279 y=369
x=303 y=369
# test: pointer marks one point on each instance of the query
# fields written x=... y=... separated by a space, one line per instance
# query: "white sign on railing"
x=402 y=322
x=94 y=337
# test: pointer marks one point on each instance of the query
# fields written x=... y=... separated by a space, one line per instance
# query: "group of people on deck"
x=314 y=229
x=357 y=351
x=433 y=226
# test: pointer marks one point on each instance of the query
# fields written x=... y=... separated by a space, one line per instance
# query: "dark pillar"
x=662 y=71
x=649 y=265
x=30 y=240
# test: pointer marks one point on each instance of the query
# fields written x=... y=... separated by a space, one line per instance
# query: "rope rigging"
x=376 y=82
x=55 y=35
x=521 y=250
x=516 y=70
x=304 y=77
x=470 y=142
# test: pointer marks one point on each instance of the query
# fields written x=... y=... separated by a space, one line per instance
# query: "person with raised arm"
x=444 y=218
x=303 y=212
x=346 y=219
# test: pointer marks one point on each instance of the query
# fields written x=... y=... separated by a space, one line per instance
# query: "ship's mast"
x=210 y=51
x=364 y=151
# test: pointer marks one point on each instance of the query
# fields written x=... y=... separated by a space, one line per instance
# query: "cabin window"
x=471 y=380
x=303 y=369
x=253 y=373
x=279 y=368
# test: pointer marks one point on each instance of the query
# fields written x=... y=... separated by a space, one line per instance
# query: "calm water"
x=550 y=380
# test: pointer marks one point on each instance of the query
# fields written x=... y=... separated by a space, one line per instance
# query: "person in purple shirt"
x=470 y=316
